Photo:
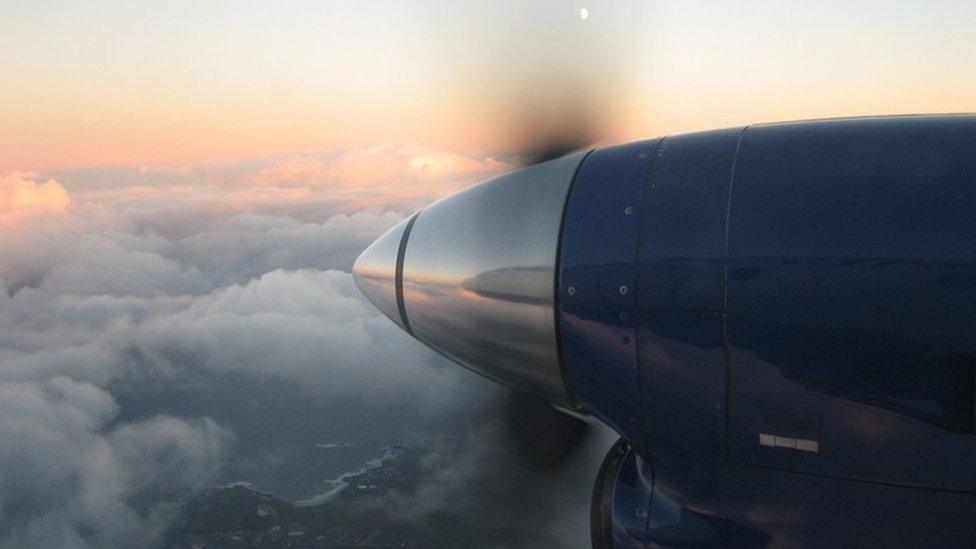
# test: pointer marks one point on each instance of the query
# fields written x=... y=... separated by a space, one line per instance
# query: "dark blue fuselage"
x=781 y=322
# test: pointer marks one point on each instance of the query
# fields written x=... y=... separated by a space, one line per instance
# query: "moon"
x=584 y=14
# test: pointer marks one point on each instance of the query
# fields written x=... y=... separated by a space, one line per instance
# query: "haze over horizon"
x=109 y=83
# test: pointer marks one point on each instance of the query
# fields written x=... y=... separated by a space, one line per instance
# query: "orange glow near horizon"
x=96 y=85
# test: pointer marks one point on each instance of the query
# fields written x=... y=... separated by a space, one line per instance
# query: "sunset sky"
x=113 y=83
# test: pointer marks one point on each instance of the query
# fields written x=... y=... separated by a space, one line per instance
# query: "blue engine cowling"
x=779 y=320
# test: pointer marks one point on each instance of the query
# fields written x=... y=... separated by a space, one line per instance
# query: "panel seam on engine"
x=401 y=255
x=644 y=200
x=557 y=281
x=726 y=349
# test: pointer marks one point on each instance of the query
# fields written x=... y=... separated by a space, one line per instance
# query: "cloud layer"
x=118 y=281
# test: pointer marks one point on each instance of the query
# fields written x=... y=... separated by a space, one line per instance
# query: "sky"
x=184 y=186
x=121 y=83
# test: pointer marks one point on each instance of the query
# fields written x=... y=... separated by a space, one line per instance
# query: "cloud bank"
x=115 y=280
x=68 y=479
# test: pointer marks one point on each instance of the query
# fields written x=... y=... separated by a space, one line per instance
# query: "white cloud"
x=69 y=480
x=22 y=198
